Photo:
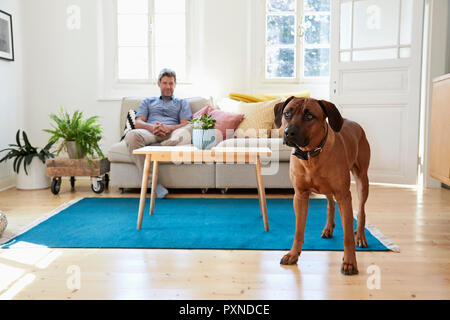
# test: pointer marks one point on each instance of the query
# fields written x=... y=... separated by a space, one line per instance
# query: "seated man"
x=162 y=119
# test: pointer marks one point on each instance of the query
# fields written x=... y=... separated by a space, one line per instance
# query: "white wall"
x=61 y=69
x=224 y=47
x=12 y=91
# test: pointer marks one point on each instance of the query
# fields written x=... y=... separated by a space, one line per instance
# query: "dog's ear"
x=278 y=110
x=334 y=116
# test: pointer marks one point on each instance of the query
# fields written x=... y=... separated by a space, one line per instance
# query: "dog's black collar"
x=304 y=155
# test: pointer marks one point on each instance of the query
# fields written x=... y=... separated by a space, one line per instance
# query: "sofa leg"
x=122 y=190
x=224 y=190
x=204 y=190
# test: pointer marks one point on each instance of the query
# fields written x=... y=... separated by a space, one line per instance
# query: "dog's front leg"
x=329 y=227
x=301 y=202
x=349 y=266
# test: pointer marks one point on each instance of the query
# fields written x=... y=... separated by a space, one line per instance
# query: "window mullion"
x=300 y=47
x=187 y=40
x=151 y=40
x=116 y=40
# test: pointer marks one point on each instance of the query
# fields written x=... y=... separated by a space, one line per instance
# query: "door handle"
x=301 y=30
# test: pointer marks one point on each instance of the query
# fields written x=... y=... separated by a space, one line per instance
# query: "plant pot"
x=204 y=139
x=36 y=178
x=73 y=151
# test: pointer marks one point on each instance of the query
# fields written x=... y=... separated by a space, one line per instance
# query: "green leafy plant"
x=85 y=133
x=24 y=153
x=204 y=122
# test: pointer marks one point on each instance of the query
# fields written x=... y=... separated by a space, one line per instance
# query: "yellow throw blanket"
x=266 y=97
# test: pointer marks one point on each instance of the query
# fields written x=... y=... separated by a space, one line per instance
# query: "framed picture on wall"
x=6 y=37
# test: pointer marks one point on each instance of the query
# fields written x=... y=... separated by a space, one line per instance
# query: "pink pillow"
x=224 y=120
x=206 y=109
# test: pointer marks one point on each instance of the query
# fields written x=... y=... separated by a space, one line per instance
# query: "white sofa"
x=124 y=173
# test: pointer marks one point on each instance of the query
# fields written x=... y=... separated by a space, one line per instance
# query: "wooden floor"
x=418 y=222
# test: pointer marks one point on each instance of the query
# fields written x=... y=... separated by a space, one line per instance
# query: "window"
x=297 y=40
x=375 y=31
x=151 y=35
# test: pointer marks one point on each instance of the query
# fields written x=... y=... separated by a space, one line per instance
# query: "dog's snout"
x=290 y=135
x=290 y=132
x=293 y=136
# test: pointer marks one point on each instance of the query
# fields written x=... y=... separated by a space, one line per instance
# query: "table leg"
x=261 y=194
x=154 y=183
x=143 y=190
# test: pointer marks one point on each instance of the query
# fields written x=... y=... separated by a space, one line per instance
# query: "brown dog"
x=325 y=154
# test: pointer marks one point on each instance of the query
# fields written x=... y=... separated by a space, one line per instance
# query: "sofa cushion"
x=127 y=175
x=119 y=153
x=266 y=97
x=227 y=104
x=197 y=103
x=130 y=122
x=258 y=121
x=280 y=151
x=240 y=175
x=226 y=122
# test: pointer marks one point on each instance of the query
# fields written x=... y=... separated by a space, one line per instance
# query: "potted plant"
x=33 y=175
x=78 y=137
x=204 y=132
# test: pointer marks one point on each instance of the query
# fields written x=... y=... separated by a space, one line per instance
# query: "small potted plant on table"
x=204 y=132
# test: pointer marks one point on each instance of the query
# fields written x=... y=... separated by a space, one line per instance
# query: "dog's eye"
x=287 y=115
x=309 y=117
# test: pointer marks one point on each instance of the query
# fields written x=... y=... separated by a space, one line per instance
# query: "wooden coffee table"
x=190 y=154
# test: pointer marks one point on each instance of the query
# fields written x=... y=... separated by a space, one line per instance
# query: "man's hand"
x=161 y=130
x=158 y=129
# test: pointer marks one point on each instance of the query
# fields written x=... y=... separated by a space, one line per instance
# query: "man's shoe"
x=161 y=191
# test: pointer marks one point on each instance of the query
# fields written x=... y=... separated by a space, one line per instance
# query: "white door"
x=376 y=61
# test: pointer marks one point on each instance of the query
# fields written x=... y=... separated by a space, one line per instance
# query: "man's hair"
x=166 y=72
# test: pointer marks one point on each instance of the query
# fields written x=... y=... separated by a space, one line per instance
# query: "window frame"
x=300 y=48
x=152 y=76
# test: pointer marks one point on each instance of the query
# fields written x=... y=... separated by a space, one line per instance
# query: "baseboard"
x=7 y=183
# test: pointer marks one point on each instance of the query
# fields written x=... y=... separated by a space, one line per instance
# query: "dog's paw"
x=290 y=258
x=360 y=239
x=349 y=266
x=327 y=232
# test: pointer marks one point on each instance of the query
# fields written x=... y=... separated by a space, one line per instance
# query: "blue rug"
x=211 y=223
